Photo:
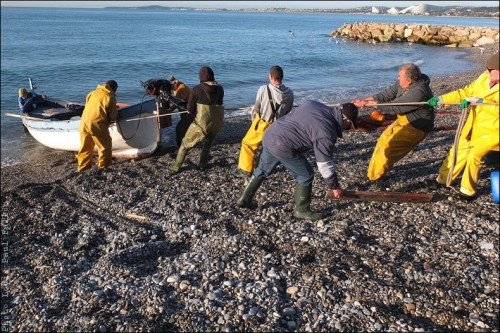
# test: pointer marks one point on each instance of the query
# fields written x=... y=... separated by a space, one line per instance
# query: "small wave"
x=9 y=161
x=419 y=62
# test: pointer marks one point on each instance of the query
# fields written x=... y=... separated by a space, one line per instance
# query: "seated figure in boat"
x=27 y=100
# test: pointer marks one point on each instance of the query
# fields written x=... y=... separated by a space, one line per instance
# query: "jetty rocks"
x=443 y=35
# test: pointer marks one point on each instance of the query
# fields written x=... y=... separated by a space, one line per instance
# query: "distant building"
x=417 y=10
x=375 y=10
x=393 y=11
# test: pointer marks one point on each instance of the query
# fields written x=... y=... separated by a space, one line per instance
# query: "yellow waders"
x=250 y=143
x=470 y=160
x=86 y=153
x=396 y=141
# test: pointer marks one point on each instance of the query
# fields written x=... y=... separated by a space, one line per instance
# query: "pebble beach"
x=138 y=248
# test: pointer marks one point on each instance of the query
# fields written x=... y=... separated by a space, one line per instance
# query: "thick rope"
x=461 y=123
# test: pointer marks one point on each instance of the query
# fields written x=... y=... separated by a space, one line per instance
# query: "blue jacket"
x=312 y=125
x=28 y=104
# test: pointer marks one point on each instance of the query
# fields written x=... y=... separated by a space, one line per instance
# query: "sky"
x=243 y=4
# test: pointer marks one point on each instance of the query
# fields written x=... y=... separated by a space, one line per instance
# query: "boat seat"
x=58 y=112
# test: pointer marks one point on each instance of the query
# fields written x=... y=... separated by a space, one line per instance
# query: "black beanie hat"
x=112 y=84
x=351 y=112
x=206 y=74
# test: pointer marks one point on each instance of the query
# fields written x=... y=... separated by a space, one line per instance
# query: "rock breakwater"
x=443 y=35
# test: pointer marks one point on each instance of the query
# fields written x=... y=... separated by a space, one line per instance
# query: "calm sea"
x=67 y=52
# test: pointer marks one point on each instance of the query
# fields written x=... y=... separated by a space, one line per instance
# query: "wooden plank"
x=382 y=196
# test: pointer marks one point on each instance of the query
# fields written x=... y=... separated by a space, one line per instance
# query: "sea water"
x=67 y=52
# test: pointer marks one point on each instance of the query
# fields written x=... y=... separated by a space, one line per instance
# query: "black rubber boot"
x=181 y=155
x=205 y=154
x=303 y=204
x=246 y=199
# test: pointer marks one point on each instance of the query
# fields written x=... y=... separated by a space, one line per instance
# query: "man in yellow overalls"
x=273 y=101
x=480 y=133
x=100 y=111
x=413 y=123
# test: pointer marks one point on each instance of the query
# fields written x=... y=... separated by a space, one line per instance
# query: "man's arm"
x=113 y=111
x=416 y=94
x=323 y=151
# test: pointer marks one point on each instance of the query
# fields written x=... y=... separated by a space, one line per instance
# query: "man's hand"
x=336 y=192
x=360 y=103
x=433 y=101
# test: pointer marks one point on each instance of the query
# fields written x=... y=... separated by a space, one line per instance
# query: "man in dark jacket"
x=413 y=123
x=205 y=106
x=312 y=125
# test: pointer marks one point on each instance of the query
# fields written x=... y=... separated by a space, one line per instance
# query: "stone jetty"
x=444 y=35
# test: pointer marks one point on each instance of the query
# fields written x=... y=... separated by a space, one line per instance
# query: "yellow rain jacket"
x=480 y=133
x=182 y=91
x=100 y=111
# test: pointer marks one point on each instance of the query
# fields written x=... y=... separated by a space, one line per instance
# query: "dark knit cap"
x=112 y=84
x=492 y=62
x=206 y=74
x=351 y=112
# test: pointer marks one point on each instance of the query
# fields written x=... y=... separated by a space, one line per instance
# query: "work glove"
x=470 y=100
x=433 y=101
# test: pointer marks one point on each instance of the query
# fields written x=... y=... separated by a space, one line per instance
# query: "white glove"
x=474 y=100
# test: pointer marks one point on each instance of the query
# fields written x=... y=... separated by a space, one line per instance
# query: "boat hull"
x=135 y=134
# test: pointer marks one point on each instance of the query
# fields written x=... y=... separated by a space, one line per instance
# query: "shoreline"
x=138 y=248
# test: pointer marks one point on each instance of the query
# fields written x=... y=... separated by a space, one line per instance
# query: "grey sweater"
x=281 y=95
x=419 y=116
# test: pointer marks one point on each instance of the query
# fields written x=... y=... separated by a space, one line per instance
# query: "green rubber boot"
x=181 y=155
x=303 y=204
x=246 y=199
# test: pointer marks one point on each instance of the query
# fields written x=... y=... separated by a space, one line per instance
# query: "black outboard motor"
x=157 y=86
x=161 y=89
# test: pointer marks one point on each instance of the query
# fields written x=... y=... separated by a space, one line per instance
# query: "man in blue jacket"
x=312 y=125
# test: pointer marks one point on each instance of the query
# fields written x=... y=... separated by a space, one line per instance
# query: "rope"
x=461 y=123
x=416 y=103
x=138 y=124
x=162 y=115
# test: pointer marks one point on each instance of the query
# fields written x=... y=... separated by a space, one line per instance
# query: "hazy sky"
x=243 y=4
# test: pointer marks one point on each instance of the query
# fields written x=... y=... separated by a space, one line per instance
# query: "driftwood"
x=382 y=196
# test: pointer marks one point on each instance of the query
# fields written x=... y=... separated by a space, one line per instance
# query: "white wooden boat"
x=54 y=123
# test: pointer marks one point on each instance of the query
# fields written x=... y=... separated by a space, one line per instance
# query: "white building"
x=417 y=10
x=393 y=11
